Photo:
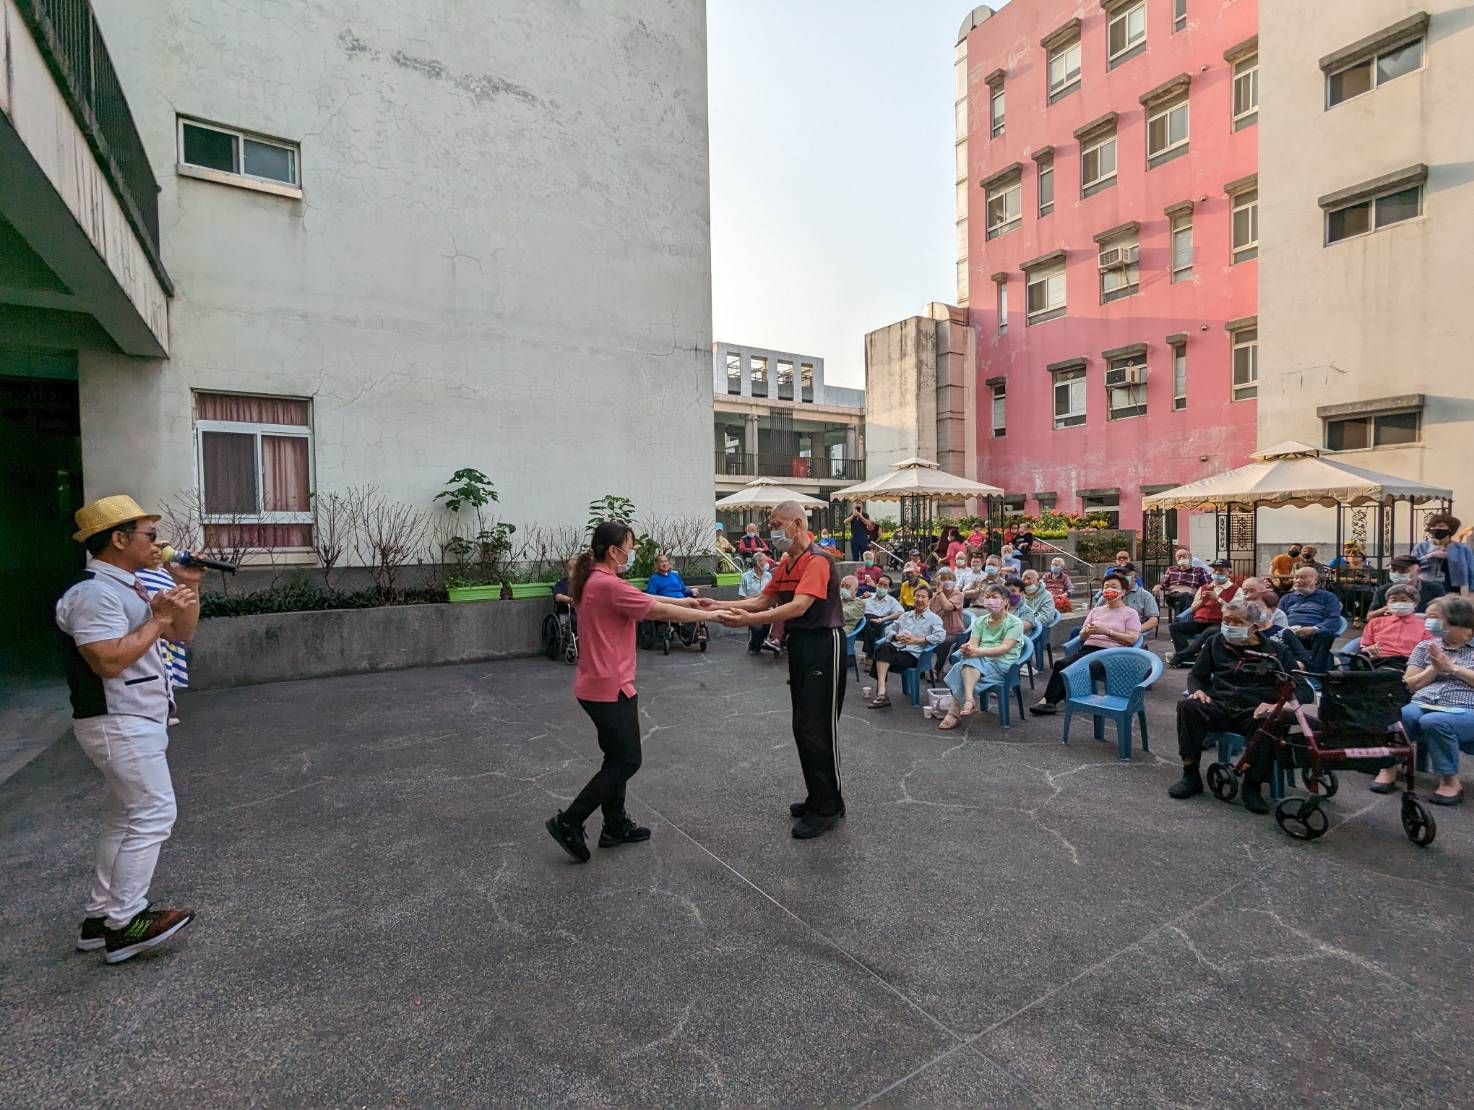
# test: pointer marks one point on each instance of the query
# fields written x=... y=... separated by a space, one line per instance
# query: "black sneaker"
x=814 y=824
x=1191 y=783
x=1043 y=709
x=801 y=809
x=568 y=836
x=92 y=935
x=148 y=929
x=623 y=831
x=1253 y=800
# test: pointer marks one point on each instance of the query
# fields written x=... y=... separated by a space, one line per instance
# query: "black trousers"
x=618 y=723
x=1183 y=632
x=1196 y=719
x=816 y=678
x=1055 y=691
x=756 y=635
x=871 y=633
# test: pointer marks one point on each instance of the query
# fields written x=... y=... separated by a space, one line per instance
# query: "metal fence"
x=72 y=44
x=824 y=469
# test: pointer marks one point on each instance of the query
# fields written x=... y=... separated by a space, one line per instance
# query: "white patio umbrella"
x=921 y=479
x=766 y=493
x=1293 y=475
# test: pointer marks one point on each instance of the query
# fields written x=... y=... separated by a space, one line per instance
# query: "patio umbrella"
x=920 y=479
x=766 y=493
x=1294 y=475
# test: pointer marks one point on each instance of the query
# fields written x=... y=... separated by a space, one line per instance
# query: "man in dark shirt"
x=804 y=594
x=1405 y=568
x=1225 y=695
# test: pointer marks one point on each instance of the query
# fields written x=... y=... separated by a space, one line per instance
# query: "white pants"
x=130 y=753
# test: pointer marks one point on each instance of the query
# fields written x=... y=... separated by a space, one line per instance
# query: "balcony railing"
x=72 y=44
x=739 y=464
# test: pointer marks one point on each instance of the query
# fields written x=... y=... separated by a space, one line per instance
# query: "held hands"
x=707 y=603
x=1202 y=696
x=188 y=576
x=169 y=605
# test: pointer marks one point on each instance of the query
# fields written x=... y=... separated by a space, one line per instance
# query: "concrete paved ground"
x=1001 y=921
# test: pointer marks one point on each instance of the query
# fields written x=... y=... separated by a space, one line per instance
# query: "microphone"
x=185 y=559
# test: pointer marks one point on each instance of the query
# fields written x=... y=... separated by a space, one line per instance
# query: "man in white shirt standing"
x=120 y=703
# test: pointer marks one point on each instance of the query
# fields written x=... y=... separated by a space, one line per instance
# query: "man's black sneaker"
x=1191 y=783
x=1043 y=709
x=568 y=836
x=813 y=824
x=801 y=809
x=1253 y=800
x=92 y=935
x=148 y=929
x=622 y=832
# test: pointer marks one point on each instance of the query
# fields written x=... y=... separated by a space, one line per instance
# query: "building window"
x=1047 y=502
x=1373 y=213
x=960 y=165
x=1046 y=293
x=1246 y=225
x=239 y=155
x=1069 y=398
x=806 y=380
x=1373 y=71
x=1166 y=132
x=1064 y=69
x=1004 y=207
x=995 y=112
x=1000 y=411
x=1046 y=187
x=1107 y=505
x=1179 y=15
x=254 y=456
x=1098 y=164
x=1358 y=433
x=1246 y=364
x=1126 y=30
x=734 y=373
x=1182 y=247
x=1126 y=387
x=1002 y=307
x=1245 y=92
x=1120 y=268
x=785 y=379
x=759 y=367
x=1179 y=377
x=962 y=289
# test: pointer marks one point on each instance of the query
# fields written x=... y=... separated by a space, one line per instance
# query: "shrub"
x=1102 y=547
x=299 y=595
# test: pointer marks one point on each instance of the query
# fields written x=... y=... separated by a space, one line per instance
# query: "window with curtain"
x=255 y=469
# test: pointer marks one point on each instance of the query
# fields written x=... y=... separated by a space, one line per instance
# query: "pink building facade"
x=1110 y=231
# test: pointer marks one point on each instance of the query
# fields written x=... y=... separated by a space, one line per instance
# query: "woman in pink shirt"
x=1388 y=640
x=609 y=608
x=1114 y=624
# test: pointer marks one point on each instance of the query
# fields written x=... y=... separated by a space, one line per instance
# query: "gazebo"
x=1369 y=505
x=919 y=485
x=767 y=493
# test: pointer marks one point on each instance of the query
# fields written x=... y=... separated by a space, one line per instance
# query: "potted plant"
x=480 y=573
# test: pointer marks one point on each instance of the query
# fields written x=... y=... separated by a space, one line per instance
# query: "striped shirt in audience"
x=176 y=654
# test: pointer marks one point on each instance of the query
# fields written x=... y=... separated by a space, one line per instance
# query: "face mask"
x=1056 y=568
x=869 y=560
x=993 y=604
x=1111 y=595
x=1294 y=553
x=845 y=593
x=1401 y=608
x=947 y=584
x=627 y=557
x=978 y=569
x=882 y=591
x=1184 y=562
x=1031 y=589
x=1220 y=578
x=1396 y=578
x=1234 y=633
x=1439 y=533
x=1433 y=626
x=991 y=571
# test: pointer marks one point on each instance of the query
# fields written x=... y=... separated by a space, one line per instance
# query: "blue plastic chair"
x=1034 y=659
x=1348 y=652
x=849 y=646
x=911 y=680
x=1012 y=684
x=1072 y=645
x=1129 y=674
x=1229 y=746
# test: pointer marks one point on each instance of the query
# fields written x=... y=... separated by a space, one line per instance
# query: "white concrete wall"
x=900 y=393
x=824 y=394
x=37 y=109
x=1385 y=313
x=501 y=260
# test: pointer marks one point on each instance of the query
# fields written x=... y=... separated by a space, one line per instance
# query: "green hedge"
x=305 y=597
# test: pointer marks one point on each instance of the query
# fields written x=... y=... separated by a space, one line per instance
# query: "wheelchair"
x=652 y=634
x=560 y=636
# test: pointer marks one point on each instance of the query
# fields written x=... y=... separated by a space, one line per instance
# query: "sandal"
x=968 y=708
x=949 y=722
x=881 y=702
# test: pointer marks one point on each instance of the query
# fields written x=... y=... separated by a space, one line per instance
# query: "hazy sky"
x=831 y=170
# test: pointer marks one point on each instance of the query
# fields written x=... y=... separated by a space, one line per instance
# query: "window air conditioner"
x=1118 y=257
x=1124 y=376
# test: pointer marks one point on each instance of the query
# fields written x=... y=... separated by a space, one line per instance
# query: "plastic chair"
x=1034 y=659
x=911 y=680
x=1072 y=645
x=1231 y=743
x=1012 y=683
x=849 y=646
x=1129 y=674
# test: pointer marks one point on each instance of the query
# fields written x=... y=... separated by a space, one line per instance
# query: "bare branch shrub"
x=387 y=534
x=332 y=531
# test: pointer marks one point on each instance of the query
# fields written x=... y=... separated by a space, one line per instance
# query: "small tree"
x=610 y=507
x=332 y=530
x=468 y=488
x=387 y=534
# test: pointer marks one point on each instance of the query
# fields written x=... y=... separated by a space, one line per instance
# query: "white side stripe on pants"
x=834 y=677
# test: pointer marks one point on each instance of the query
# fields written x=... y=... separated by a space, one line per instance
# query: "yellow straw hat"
x=108 y=512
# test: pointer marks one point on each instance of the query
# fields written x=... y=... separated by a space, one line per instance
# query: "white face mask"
x=1401 y=608
x=1056 y=568
x=627 y=558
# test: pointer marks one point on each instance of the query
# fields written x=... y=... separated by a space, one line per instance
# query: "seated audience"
x=1136 y=596
x=752 y=542
x=1440 y=673
x=1203 y=613
x=1314 y=614
x=562 y=597
x=724 y=545
x=881 y=609
x=828 y=541
x=994 y=644
x=1388 y=640
x=1180 y=584
x=910 y=634
x=1283 y=565
x=1112 y=624
x=1009 y=561
x=1024 y=541
x=1038 y=604
x=755 y=580
x=666 y=581
x=1224 y=695
x=1309 y=557
x=1406 y=570
x=910 y=579
x=1058 y=583
x=1123 y=562
x=868 y=571
x=972 y=580
x=852 y=604
x=947 y=603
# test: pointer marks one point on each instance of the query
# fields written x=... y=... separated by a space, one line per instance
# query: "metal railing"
x=735 y=463
x=72 y=44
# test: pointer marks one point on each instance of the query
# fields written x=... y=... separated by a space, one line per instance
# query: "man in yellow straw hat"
x=120 y=705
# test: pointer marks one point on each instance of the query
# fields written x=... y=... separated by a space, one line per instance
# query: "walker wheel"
x=665 y=642
x=1301 y=818
x=1418 y=823
x=702 y=645
x=1329 y=783
x=1222 y=782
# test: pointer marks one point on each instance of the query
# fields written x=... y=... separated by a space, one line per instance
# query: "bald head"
x=787 y=513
